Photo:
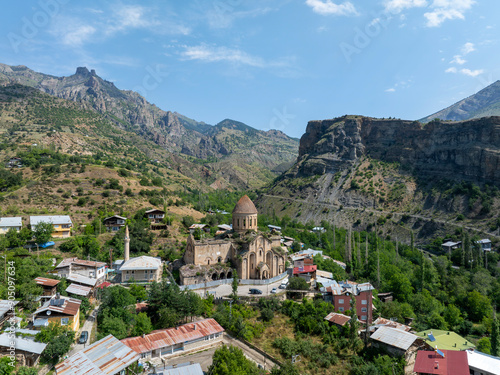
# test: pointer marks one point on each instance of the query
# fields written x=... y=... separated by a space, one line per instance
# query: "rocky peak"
x=84 y=72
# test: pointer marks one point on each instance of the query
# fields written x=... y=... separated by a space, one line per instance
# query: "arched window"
x=244 y=223
x=219 y=259
x=208 y=261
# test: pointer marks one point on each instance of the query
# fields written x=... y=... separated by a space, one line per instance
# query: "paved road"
x=87 y=326
x=243 y=290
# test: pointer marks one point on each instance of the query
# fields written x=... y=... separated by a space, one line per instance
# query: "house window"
x=363 y=309
x=341 y=301
x=144 y=355
x=364 y=302
x=363 y=317
x=341 y=309
x=64 y=321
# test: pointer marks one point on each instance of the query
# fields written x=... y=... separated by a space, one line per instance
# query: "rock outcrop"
x=467 y=150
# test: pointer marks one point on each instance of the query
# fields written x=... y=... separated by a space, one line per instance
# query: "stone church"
x=255 y=255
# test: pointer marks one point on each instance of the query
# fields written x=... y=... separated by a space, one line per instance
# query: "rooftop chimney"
x=127 y=244
x=194 y=327
x=436 y=365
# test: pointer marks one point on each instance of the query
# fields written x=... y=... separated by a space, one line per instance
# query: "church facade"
x=253 y=254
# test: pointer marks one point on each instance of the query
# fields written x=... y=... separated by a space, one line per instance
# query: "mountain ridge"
x=484 y=103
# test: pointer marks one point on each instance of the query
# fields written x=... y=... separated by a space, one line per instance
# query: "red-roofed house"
x=308 y=273
x=444 y=362
x=340 y=320
x=182 y=339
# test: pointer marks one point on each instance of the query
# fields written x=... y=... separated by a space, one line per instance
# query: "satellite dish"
x=48 y=312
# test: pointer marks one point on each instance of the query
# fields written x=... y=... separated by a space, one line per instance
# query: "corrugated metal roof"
x=380 y=322
x=336 y=318
x=82 y=279
x=70 y=307
x=53 y=219
x=141 y=263
x=394 y=337
x=154 y=210
x=483 y=362
x=5 y=306
x=106 y=356
x=46 y=282
x=22 y=344
x=171 y=336
x=79 y=290
x=89 y=263
x=11 y=221
x=116 y=216
x=194 y=369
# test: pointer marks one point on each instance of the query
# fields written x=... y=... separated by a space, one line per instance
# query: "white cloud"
x=392 y=89
x=457 y=59
x=397 y=6
x=443 y=10
x=328 y=7
x=73 y=33
x=465 y=71
x=220 y=17
x=468 y=48
x=215 y=54
x=472 y=73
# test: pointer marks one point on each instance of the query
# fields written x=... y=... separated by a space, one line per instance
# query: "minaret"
x=127 y=244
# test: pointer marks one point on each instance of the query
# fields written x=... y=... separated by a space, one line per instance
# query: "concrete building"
x=339 y=294
x=8 y=223
x=179 y=340
x=86 y=268
x=255 y=255
x=62 y=224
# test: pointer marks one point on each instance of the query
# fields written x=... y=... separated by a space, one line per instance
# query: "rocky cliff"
x=468 y=150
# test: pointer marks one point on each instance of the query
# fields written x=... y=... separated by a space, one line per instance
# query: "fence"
x=214 y=283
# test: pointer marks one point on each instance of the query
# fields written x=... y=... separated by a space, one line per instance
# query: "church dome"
x=245 y=206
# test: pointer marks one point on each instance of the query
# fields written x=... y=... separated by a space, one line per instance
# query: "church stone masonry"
x=255 y=255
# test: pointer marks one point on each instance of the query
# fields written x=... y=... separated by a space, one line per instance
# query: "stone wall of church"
x=260 y=261
x=207 y=253
x=244 y=222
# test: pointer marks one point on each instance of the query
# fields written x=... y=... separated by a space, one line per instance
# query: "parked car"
x=83 y=337
x=274 y=290
x=255 y=291
x=283 y=285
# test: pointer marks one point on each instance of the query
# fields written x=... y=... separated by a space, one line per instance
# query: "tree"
x=296 y=283
x=5 y=367
x=231 y=361
x=495 y=337
x=27 y=371
x=43 y=232
x=59 y=346
x=484 y=345
x=142 y=325
x=234 y=286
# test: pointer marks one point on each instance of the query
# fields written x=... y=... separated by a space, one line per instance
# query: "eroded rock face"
x=468 y=150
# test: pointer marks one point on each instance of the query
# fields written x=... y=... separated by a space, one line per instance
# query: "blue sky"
x=268 y=63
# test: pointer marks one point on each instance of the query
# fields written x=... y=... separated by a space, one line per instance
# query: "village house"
x=6 y=310
x=482 y=364
x=14 y=163
x=62 y=224
x=254 y=254
x=449 y=246
x=179 y=340
x=399 y=343
x=104 y=357
x=114 y=223
x=339 y=294
x=27 y=351
x=85 y=268
x=8 y=223
x=79 y=290
x=383 y=322
x=484 y=244
x=339 y=320
x=49 y=287
x=155 y=217
x=61 y=310
x=441 y=362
